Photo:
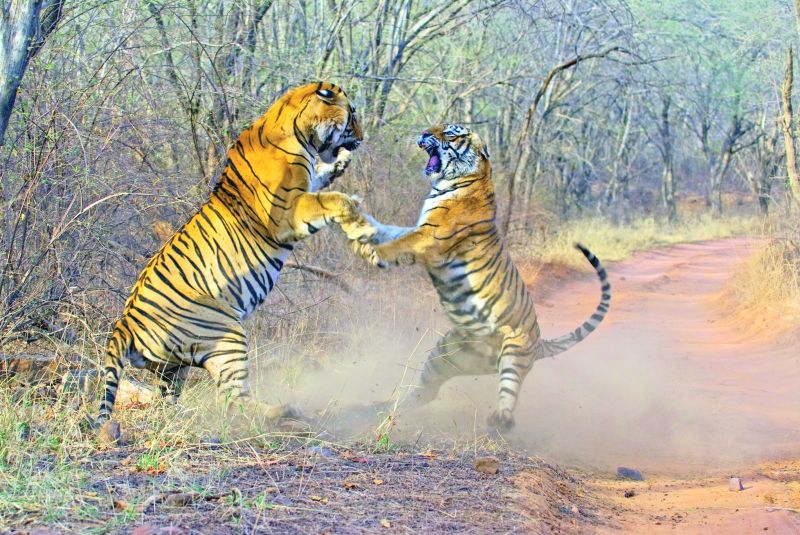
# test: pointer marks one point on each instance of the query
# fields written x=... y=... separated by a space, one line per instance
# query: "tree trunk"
x=24 y=25
x=668 y=175
x=797 y=15
x=716 y=182
x=788 y=130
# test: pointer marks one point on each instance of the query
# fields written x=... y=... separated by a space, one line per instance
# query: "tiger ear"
x=485 y=151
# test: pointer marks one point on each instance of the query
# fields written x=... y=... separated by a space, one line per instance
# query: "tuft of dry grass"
x=612 y=243
x=770 y=280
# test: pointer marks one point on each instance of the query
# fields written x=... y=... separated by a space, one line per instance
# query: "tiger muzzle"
x=428 y=142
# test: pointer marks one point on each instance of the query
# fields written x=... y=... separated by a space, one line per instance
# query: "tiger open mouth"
x=434 y=159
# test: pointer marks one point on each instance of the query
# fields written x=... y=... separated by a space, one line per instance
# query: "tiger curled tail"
x=456 y=239
x=187 y=306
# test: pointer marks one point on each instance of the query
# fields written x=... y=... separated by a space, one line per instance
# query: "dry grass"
x=769 y=281
x=612 y=243
x=181 y=467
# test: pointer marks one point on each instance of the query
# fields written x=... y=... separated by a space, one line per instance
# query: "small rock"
x=322 y=451
x=735 y=484
x=133 y=392
x=109 y=435
x=487 y=465
x=180 y=499
x=31 y=368
x=630 y=493
x=280 y=500
x=629 y=473
x=569 y=510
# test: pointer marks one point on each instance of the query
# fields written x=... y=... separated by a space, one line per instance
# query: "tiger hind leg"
x=227 y=365
x=456 y=353
x=118 y=347
x=515 y=361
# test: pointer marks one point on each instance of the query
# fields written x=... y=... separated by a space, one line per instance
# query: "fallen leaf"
x=121 y=505
x=349 y=485
x=319 y=499
x=429 y=453
x=360 y=460
x=385 y=523
x=377 y=481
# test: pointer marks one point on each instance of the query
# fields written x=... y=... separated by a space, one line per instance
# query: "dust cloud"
x=665 y=384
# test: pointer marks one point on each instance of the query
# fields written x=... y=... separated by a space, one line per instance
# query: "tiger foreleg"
x=311 y=212
x=412 y=247
x=514 y=363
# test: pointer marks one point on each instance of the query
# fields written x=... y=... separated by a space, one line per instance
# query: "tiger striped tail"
x=562 y=343
x=118 y=347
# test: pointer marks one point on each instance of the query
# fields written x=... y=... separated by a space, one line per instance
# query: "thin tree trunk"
x=716 y=182
x=788 y=130
x=797 y=15
x=668 y=175
x=24 y=25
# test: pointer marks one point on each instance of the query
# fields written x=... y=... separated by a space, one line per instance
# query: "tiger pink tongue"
x=433 y=162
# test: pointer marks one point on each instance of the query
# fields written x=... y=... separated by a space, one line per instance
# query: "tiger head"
x=324 y=120
x=453 y=151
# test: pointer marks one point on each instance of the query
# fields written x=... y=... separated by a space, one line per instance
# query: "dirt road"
x=672 y=381
x=677 y=386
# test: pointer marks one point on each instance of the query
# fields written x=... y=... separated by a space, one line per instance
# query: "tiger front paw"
x=326 y=173
x=359 y=226
x=367 y=252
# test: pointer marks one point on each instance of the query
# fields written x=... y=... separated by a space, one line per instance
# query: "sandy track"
x=670 y=382
x=675 y=385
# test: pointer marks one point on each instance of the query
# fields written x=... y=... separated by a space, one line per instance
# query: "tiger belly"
x=469 y=307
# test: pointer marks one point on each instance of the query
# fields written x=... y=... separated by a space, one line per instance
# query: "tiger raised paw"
x=495 y=329
x=187 y=306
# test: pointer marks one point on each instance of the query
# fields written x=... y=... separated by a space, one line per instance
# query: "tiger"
x=187 y=305
x=495 y=328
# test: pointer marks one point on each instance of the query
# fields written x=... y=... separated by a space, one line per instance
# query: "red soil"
x=674 y=383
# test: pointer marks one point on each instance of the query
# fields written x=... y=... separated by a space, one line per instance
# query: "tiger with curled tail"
x=187 y=306
x=456 y=239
